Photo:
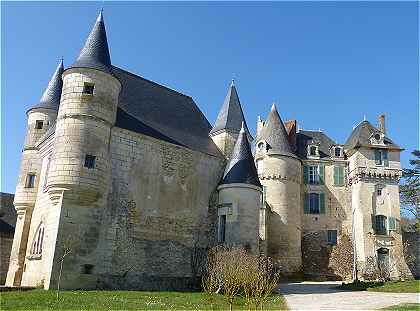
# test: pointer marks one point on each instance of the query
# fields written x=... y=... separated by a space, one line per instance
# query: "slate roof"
x=157 y=111
x=241 y=167
x=275 y=135
x=306 y=137
x=361 y=137
x=8 y=213
x=52 y=94
x=95 y=53
x=230 y=115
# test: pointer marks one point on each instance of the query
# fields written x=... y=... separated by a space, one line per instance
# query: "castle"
x=125 y=184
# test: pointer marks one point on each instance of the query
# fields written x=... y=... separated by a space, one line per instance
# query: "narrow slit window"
x=88 y=88
x=38 y=241
x=90 y=161
x=222 y=229
x=39 y=124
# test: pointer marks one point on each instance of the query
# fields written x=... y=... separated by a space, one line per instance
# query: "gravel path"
x=326 y=296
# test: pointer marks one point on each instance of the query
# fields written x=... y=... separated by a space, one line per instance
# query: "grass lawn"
x=404 y=307
x=392 y=287
x=122 y=300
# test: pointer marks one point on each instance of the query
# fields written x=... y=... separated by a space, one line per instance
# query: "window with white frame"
x=338 y=152
x=313 y=171
x=38 y=240
x=381 y=157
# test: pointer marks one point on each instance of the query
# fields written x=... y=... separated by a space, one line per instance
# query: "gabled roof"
x=157 y=111
x=241 y=167
x=52 y=94
x=275 y=135
x=230 y=115
x=361 y=137
x=95 y=53
x=306 y=137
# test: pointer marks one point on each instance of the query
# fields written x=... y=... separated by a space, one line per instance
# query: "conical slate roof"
x=95 y=53
x=52 y=94
x=275 y=135
x=241 y=167
x=230 y=115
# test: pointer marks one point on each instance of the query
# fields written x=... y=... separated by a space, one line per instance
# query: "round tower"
x=280 y=172
x=41 y=118
x=240 y=199
x=80 y=162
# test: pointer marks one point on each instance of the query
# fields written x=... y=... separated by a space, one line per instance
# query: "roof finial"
x=273 y=107
x=242 y=128
x=232 y=82
x=364 y=117
x=100 y=16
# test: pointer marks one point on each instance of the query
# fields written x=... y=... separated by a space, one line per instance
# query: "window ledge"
x=34 y=257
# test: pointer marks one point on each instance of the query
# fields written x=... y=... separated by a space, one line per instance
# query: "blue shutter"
x=377 y=157
x=306 y=204
x=321 y=174
x=385 y=155
x=392 y=224
x=336 y=175
x=322 y=203
x=306 y=174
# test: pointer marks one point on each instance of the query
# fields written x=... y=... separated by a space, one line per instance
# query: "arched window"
x=37 y=243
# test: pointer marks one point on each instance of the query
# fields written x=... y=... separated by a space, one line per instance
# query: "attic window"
x=338 y=152
x=312 y=150
x=377 y=136
x=261 y=146
x=88 y=88
x=39 y=124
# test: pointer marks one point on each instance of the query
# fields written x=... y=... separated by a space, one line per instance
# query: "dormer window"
x=313 y=151
x=338 y=152
x=377 y=138
x=88 y=88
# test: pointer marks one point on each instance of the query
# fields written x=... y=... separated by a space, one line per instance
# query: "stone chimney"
x=382 y=123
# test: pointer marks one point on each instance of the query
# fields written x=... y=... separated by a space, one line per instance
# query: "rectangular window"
x=264 y=195
x=337 y=152
x=88 y=88
x=313 y=175
x=222 y=229
x=332 y=237
x=381 y=157
x=39 y=124
x=379 y=192
x=90 y=161
x=338 y=175
x=380 y=225
x=314 y=203
x=30 y=180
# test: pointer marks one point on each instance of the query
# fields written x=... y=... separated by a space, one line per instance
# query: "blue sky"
x=326 y=64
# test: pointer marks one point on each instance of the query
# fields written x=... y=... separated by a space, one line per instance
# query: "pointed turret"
x=230 y=116
x=241 y=167
x=52 y=94
x=95 y=53
x=274 y=133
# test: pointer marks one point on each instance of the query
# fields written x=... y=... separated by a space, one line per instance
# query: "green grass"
x=392 y=287
x=122 y=300
x=404 y=307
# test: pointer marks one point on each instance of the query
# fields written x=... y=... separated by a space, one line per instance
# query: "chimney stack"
x=382 y=123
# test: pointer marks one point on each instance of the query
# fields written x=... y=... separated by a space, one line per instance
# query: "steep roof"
x=306 y=137
x=8 y=213
x=157 y=111
x=230 y=115
x=241 y=167
x=51 y=97
x=95 y=52
x=275 y=135
x=361 y=134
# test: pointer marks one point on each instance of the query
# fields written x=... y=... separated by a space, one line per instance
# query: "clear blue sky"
x=326 y=64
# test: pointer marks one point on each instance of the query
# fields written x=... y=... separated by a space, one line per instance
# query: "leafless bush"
x=235 y=271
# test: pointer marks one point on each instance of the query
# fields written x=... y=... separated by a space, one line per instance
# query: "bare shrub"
x=234 y=271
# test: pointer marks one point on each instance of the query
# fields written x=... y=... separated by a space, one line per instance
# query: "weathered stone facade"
x=135 y=198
